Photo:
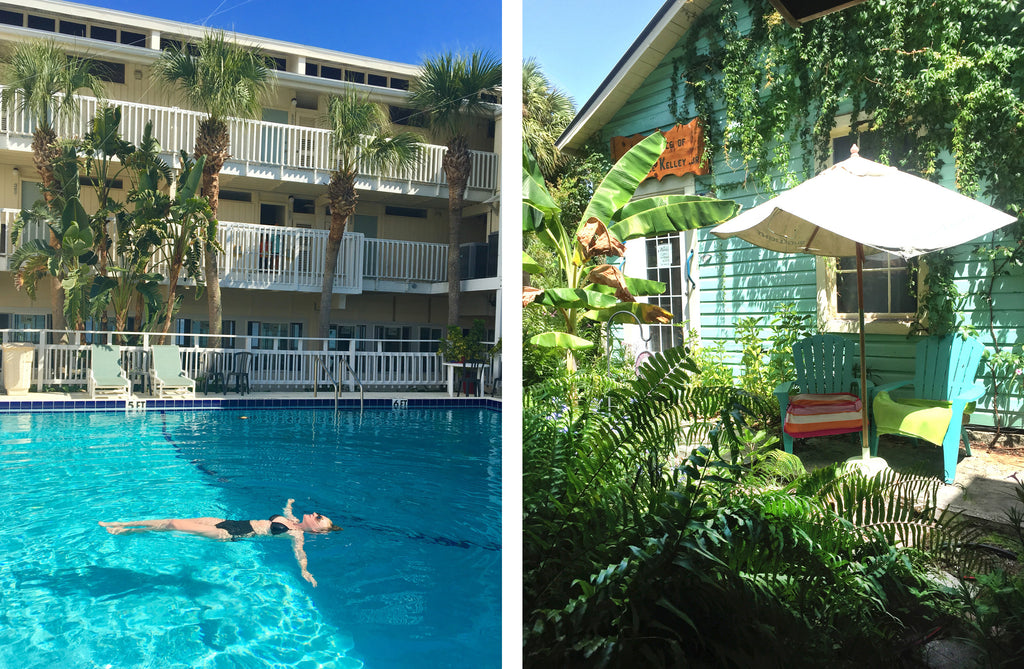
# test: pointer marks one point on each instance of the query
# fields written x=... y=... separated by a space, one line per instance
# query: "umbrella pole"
x=865 y=447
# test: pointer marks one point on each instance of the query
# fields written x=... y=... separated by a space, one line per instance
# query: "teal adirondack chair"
x=945 y=387
x=824 y=366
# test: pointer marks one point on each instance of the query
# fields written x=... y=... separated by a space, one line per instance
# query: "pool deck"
x=80 y=401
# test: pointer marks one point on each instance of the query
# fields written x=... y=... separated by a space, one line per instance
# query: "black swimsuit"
x=243 y=528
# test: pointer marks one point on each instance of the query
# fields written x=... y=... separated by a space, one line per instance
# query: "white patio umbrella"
x=858 y=204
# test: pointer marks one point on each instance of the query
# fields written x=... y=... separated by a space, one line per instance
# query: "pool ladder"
x=321 y=362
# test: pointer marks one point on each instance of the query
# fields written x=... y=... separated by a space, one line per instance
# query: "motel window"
x=72 y=28
x=377 y=80
x=328 y=72
x=399 y=84
x=409 y=117
x=107 y=71
x=187 y=326
x=11 y=18
x=341 y=336
x=42 y=23
x=312 y=70
x=430 y=339
x=355 y=77
x=133 y=39
x=24 y=322
x=274 y=336
x=101 y=33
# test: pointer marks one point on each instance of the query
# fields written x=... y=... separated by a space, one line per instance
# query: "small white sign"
x=664 y=255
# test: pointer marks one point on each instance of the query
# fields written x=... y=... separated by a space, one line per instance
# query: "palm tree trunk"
x=342 y=195
x=456 y=164
x=44 y=154
x=212 y=141
x=211 y=264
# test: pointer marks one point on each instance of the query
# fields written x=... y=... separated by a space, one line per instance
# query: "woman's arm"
x=288 y=511
x=300 y=556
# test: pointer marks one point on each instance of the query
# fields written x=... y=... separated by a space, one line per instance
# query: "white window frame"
x=825 y=277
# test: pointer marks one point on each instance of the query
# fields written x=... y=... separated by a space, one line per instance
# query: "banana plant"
x=189 y=229
x=593 y=287
x=138 y=228
x=68 y=254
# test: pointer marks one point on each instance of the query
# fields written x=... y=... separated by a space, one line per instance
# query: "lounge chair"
x=167 y=376
x=107 y=378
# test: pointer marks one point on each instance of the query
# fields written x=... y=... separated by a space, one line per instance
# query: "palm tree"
x=547 y=112
x=224 y=80
x=452 y=92
x=361 y=135
x=41 y=80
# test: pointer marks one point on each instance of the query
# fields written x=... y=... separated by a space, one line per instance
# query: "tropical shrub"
x=638 y=554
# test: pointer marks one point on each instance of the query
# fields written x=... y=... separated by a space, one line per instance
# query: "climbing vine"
x=940 y=84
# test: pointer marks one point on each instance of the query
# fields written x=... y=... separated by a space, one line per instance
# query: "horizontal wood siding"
x=738 y=280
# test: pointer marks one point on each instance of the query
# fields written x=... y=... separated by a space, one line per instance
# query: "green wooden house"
x=774 y=111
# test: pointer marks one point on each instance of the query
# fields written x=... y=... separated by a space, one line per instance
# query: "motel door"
x=273 y=141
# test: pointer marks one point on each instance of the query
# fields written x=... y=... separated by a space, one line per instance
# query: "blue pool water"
x=414 y=579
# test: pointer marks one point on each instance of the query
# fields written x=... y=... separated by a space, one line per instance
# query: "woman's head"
x=317 y=522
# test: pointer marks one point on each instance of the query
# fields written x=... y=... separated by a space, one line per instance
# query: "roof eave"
x=649 y=49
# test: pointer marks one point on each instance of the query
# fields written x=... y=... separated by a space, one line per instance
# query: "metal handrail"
x=321 y=361
x=318 y=363
x=358 y=382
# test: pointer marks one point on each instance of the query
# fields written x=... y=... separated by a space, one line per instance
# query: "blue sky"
x=577 y=43
x=406 y=31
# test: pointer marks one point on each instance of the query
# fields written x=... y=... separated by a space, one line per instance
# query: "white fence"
x=252 y=142
x=279 y=363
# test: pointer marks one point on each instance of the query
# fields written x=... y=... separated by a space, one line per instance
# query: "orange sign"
x=684 y=150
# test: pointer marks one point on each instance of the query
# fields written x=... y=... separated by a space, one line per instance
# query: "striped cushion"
x=820 y=415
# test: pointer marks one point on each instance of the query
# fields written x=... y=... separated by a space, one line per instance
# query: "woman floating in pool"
x=219 y=528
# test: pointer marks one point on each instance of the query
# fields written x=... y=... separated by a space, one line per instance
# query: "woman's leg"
x=202 y=526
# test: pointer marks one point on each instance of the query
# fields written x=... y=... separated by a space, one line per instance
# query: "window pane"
x=846 y=293
x=902 y=300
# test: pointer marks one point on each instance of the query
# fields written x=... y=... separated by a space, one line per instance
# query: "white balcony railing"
x=278 y=258
x=260 y=143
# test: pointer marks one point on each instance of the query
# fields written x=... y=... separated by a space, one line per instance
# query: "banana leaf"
x=638 y=287
x=574 y=298
x=647 y=313
x=621 y=183
x=535 y=193
x=530 y=265
x=664 y=214
x=560 y=340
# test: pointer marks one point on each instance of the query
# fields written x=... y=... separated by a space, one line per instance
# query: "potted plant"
x=459 y=347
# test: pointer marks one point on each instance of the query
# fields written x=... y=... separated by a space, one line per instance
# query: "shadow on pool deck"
x=984 y=486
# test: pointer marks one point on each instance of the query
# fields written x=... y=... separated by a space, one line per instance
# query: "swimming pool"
x=414 y=580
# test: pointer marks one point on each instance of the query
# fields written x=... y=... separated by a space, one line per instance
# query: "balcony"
x=260 y=149
x=263 y=257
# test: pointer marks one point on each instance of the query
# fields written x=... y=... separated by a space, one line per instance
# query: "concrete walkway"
x=985 y=482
